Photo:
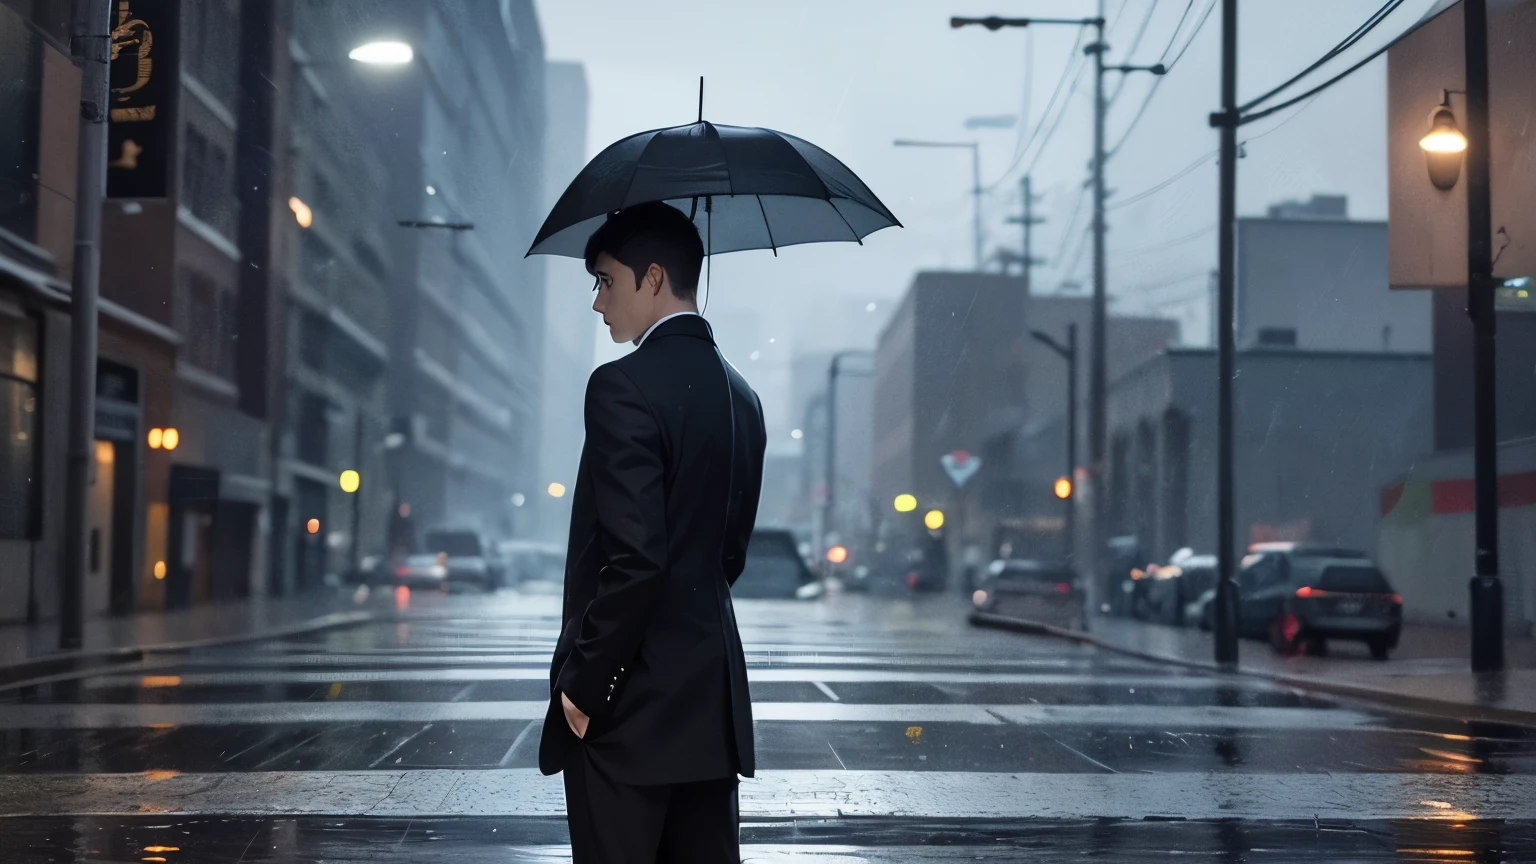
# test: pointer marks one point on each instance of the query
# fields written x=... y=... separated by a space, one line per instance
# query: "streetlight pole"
x=92 y=29
x=1227 y=121
x=831 y=463
x=1487 y=593
x=975 y=149
x=1068 y=352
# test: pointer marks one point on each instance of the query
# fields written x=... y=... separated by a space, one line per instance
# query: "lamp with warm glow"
x=837 y=554
x=934 y=519
x=557 y=490
x=906 y=503
x=170 y=438
x=1063 y=488
x=1444 y=146
x=384 y=53
x=312 y=526
x=156 y=438
x=351 y=481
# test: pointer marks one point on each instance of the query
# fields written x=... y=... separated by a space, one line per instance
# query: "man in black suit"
x=649 y=714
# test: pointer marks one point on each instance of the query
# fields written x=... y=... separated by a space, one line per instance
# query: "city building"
x=1311 y=278
x=461 y=130
x=570 y=326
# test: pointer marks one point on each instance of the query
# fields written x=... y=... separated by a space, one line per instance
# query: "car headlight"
x=438 y=571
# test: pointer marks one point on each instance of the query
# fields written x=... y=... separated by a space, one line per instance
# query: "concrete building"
x=1317 y=436
x=570 y=326
x=461 y=130
x=1310 y=278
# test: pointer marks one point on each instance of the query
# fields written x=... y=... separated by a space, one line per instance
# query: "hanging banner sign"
x=141 y=132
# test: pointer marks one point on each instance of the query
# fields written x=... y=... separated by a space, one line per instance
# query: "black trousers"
x=616 y=823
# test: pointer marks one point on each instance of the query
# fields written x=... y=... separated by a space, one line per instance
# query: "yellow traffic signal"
x=906 y=503
x=350 y=481
x=934 y=519
x=1063 y=488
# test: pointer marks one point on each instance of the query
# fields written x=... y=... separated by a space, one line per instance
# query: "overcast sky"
x=852 y=75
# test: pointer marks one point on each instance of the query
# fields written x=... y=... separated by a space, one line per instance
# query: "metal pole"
x=1226 y=588
x=357 y=496
x=91 y=36
x=976 y=194
x=826 y=506
x=1487 y=593
x=1071 y=526
x=1098 y=375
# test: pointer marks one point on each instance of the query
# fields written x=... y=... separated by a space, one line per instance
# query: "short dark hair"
x=652 y=233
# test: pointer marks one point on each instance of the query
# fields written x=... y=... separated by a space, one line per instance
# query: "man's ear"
x=655 y=277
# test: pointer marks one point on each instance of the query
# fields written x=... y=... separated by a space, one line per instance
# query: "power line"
x=1148 y=193
x=1163 y=244
x=1131 y=51
x=1191 y=40
x=1176 y=28
x=1066 y=231
x=1259 y=115
x=1068 y=74
x=1146 y=101
x=1348 y=42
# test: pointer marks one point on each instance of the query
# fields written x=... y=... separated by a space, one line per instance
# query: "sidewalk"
x=1429 y=671
x=36 y=644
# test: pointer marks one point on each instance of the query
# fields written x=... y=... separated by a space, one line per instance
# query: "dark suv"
x=1298 y=597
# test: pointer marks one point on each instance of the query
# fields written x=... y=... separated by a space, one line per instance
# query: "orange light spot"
x=162 y=726
x=1063 y=488
x=156 y=438
x=160 y=681
x=152 y=858
x=162 y=848
x=159 y=569
x=170 y=439
x=312 y=526
x=837 y=554
x=402 y=597
x=160 y=774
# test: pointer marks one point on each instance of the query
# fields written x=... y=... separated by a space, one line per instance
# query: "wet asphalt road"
x=888 y=730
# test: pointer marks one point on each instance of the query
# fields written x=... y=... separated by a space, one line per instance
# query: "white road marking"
x=785 y=794
x=1153 y=717
x=820 y=685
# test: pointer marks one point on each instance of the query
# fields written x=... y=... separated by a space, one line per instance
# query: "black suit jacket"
x=665 y=500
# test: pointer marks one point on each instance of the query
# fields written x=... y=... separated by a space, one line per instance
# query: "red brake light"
x=402 y=571
x=1063 y=588
x=1304 y=591
x=1397 y=599
x=911 y=580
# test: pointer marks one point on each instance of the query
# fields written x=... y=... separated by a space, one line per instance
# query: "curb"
x=15 y=674
x=1418 y=704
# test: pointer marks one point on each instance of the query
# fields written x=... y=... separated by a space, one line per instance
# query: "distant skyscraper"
x=569 y=324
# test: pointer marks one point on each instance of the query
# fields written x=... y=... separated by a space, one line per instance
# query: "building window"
x=19 y=486
x=207 y=187
x=211 y=326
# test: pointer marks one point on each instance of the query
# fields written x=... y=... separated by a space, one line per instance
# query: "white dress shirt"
x=647 y=333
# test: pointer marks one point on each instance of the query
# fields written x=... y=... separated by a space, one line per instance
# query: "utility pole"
x=92 y=40
x=1226 y=120
x=1028 y=220
x=1068 y=353
x=976 y=190
x=1098 y=363
x=1487 y=593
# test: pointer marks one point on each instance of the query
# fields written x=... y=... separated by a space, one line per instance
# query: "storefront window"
x=18 y=427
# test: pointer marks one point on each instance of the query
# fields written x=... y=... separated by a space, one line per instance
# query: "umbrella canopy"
x=744 y=188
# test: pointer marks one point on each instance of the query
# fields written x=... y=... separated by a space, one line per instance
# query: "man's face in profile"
x=626 y=311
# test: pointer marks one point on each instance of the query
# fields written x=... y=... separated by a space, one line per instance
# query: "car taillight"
x=911 y=580
x=1397 y=599
x=402 y=571
x=1063 y=588
x=1305 y=591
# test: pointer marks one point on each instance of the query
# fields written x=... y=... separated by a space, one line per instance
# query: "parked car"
x=1298 y=597
x=775 y=569
x=1123 y=558
x=454 y=557
x=1163 y=593
x=1033 y=590
x=532 y=561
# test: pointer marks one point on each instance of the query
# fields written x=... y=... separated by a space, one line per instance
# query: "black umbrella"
x=745 y=188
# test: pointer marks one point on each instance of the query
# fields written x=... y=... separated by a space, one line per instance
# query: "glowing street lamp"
x=1444 y=146
x=382 y=53
x=934 y=519
x=906 y=503
x=1063 y=488
x=837 y=554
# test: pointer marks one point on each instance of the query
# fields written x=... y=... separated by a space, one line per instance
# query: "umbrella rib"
x=856 y=238
x=767 y=227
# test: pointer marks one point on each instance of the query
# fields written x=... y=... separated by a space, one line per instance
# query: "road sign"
x=960 y=466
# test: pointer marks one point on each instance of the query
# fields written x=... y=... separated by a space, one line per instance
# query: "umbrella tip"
x=701 y=98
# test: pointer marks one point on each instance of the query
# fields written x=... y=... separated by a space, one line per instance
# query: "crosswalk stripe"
x=1163 y=717
x=792 y=794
